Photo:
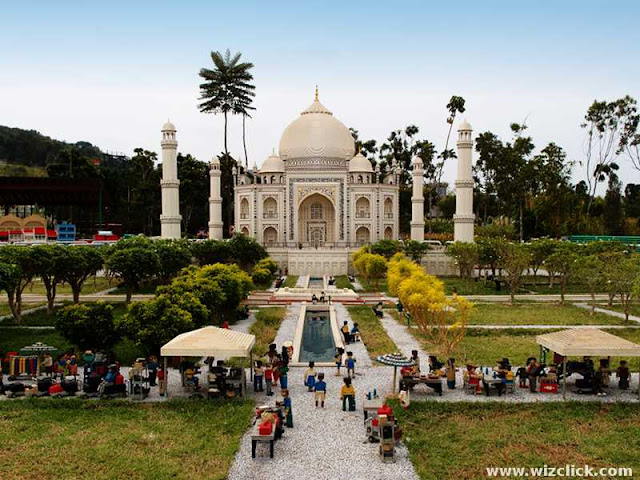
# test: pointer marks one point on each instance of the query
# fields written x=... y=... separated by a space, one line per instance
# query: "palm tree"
x=242 y=107
x=227 y=87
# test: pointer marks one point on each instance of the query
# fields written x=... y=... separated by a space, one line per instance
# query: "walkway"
x=613 y=313
x=404 y=340
x=328 y=443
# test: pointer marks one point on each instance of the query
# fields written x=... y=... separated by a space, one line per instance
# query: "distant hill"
x=27 y=152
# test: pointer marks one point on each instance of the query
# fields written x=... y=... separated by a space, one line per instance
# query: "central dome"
x=316 y=134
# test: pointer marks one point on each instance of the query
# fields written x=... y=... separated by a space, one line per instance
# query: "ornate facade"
x=317 y=201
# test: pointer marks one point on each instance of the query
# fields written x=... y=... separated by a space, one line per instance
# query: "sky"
x=112 y=73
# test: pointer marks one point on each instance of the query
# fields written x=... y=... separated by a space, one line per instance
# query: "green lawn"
x=290 y=281
x=5 y=310
x=471 y=287
x=72 y=439
x=373 y=334
x=534 y=313
x=92 y=285
x=266 y=327
x=634 y=308
x=370 y=287
x=342 y=281
x=460 y=440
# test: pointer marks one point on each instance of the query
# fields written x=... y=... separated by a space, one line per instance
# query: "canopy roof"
x=588 y=341
x=395 y=360
x=210 y=341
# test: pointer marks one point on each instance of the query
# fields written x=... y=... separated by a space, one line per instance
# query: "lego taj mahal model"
x=317 y=200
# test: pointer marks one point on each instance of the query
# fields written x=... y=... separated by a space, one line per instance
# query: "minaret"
x=464 y=217
x=215 y=200
x=417 y=201
x=170 y=185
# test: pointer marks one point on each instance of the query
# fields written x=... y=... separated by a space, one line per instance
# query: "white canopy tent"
x=592 y=342
x=210 y=341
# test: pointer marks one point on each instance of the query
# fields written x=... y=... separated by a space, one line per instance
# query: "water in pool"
x=316 y=282
x=317 y=338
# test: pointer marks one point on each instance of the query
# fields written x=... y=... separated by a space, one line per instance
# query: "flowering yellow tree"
x=400 y=268
x=443 y=321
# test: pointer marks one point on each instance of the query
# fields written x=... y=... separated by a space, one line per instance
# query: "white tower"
x=215 y=200
x=170 y=185
x=464 y=217
x=417 y=200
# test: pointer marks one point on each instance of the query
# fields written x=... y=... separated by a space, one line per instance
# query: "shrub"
x=89 y=325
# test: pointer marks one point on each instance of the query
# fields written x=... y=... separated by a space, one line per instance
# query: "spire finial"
x=316 y=93
x=359 y=149
x=273 y=150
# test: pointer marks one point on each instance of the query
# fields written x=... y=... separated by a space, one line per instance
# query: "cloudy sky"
x=112 y=72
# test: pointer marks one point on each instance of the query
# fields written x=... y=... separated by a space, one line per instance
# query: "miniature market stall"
x=589 y=342
x=214 y=342
x=395 y=360
x=27 y=363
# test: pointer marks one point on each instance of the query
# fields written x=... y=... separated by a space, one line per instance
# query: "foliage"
x=514 y=259
x=440 y=319
x=561 y=263
x=371 y=266
x=589 y=270
x=622 y=275
x=78 y=264
x=540 y=250
x=466 y=256
x=386 y=248
x=415 y=250
x=208 y=252
x=246 y=251
x=133 y=266
x=89 y=326
x=489 y=253
x=173 y=256
x=17 y=270
x=400 y=268
x=268 y=264
x=266 y=327
x=47 y=260
x=261 y=276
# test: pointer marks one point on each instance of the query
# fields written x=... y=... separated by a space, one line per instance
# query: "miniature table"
x=372 y=406
x=498 y=383
x=256 y=437
x=435 y=383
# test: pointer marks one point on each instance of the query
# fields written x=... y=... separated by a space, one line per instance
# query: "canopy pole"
x=166 y=379
x=251 y=364
x=395 y=372
x=564 y=377
x=639 y=384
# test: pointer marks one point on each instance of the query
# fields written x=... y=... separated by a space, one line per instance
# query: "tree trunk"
x=17 y=311
x=226 y=151
x=512 y=298
x=535 y=277
x=521 y=226
x=610 y=301
x=244 y=143
x=51 y=293
x=13 y=306
x=75 y=289
x=129 y=294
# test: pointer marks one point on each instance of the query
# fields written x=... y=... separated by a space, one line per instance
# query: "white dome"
x=465 y=125
x=272 y=164
x=316 y=134
x=360 y=164
x=170 y=127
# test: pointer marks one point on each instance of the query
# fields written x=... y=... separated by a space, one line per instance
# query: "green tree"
x=415 y=250
x=194 y=192
x=621 y=273
x=71 y=163
x=386 y=248
x=133 y=266
x=613 y=209
x=540 y=251
x=466 y=255
x=49 y=265
x=376 y=268
x=18 y=269
x=514 y=259
x=89 y=325
x=246 y=251
x=588 y=269
x=209 y=252
x=173 y=256
x=227 y=88
x=77 y=264
x=561 y=262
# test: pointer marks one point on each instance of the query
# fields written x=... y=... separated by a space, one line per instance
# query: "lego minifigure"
x=284 y=369
x=416 y=362
x=355 y=332
x=320 y=388
x=258 y=374
x=346 y=333
x=310 y=376
x=268 y=379
x=162 y=381
x=404 y=395
x=348 y=395
x=351 y=365
x=623 y=374
x=338 y=359
x=286 y=402
x=533 y=372
x=451 y=373
x=152 y=367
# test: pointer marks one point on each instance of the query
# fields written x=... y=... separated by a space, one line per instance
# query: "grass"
x=290 y=281
x=447 y=440
x=371 y=287
x=113 y=440
x=373 y=334
x=479 y=287
x=5 y=310
x=342 y=281
x=18 y=170
x=634 y=308
x=538 y=314
x=92 y=285
x=266 y=327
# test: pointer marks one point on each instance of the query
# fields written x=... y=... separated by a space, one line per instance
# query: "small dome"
x=168 y=127
x=416 y=159
x=464 y=125
x=360 y=164
x=272 y=164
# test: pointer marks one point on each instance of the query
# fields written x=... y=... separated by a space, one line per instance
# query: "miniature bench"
x=256 y=437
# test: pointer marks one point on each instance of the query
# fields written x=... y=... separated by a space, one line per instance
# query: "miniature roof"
x=210 y=341
x=588 y=341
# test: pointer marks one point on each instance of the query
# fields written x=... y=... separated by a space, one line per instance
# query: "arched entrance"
x=363 y=236
x=388 y=233
x=316 y=220
x=270 y=235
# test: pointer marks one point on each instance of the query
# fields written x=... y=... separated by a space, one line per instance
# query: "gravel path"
x=325 y=444
x=613 y=313
x=404 y=340
x=244 y=325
